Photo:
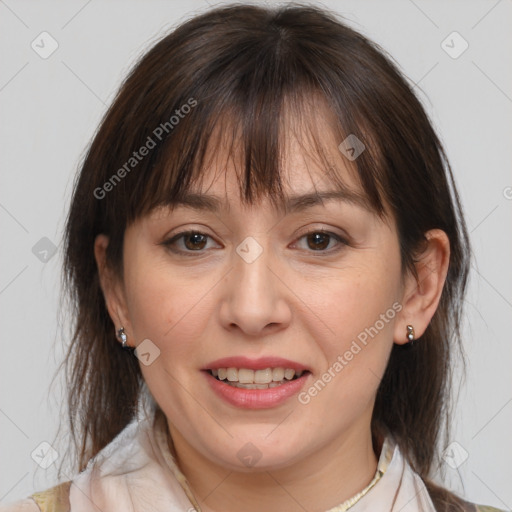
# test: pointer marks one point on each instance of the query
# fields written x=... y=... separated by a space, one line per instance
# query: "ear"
x=112 y=287
x=421 y=297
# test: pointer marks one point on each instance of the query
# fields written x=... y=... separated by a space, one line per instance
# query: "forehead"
x=285 y=162
x=304 y=189
x=310 y=164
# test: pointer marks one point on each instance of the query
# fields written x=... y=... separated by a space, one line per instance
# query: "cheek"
x=167 y=310
x=172 y=307
x=357 y=305
x=360 y=308
x=166 y=306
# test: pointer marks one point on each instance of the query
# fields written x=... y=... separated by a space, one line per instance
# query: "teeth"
x=277 y=374
x=249 y=386
x=245 y=376
x=261 y=379
x=263 y=376
x=232 y=374
x=289 y=374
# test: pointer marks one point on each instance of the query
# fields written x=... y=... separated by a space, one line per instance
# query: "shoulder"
x=54 y=499
x=26 y=505
x=474 y=507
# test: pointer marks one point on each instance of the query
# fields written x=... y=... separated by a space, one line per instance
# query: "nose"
x=255 y=299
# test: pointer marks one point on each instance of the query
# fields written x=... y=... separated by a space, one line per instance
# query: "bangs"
x=255 y=136
x=246 y=106
x=253 y=87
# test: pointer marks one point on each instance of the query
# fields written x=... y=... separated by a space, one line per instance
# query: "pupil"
x=197 y=241
x=319 y=240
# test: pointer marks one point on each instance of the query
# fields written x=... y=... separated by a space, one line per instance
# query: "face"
x=295 y=307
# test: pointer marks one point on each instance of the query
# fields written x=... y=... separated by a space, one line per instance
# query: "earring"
x=122 y=336
x=410 y=335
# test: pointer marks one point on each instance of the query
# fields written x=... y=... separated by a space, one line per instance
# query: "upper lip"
x=255 y=364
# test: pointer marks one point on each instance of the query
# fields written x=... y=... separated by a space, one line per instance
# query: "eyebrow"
x=294 y=203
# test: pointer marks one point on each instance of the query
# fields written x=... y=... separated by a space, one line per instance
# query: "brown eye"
x=195 y=241
x=190 y=242
x=322 y=242
x=318 y=241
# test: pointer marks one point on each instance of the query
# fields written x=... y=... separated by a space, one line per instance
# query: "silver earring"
x=122 y=336
x=410 y=334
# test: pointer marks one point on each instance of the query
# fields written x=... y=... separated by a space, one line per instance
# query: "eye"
x=197 y=242
x=188 y=241
x=322 y=241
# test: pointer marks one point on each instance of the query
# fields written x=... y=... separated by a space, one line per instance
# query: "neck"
x=328 y=477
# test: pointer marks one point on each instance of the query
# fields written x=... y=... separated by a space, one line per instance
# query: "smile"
x=255 y=379
x=255 y=383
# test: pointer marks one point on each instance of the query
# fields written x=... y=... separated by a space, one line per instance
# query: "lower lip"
x=256 y=398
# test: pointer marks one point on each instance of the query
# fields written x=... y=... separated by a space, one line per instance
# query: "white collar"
x=137 y=472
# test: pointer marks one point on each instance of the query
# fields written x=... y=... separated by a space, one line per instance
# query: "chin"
x=253 y=453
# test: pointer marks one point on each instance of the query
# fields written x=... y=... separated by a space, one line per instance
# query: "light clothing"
x=137 y=472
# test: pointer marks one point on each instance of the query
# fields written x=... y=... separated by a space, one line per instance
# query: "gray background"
x=51 y=108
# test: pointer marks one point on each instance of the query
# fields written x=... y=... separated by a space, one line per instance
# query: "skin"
x=294 y=302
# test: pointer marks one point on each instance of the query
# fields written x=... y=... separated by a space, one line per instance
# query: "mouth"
x=261 y=383
x=247 y=378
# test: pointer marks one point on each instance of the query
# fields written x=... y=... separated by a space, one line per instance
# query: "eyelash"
x=172 y=241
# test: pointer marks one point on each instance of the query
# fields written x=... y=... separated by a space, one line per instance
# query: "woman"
x=267 y=216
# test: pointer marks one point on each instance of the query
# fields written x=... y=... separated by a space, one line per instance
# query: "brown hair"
x=251 y=66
